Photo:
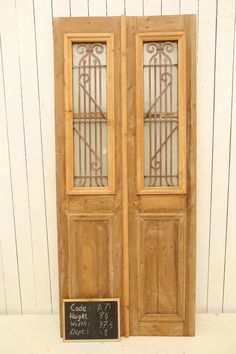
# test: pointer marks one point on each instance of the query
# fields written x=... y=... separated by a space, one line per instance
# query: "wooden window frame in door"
x=69 y=39
x=141 y=38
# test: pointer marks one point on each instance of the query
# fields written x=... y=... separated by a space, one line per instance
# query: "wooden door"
x=126 y=225
x=88 y=130
x=161 y=178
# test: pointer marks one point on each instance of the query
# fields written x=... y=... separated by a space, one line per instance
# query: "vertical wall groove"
x=70 y=7
x=3 y=280
x=42 y=151
x=220 y=166
x=229 y=170
x=212 y=152
x=10 y=172
x=26 y=162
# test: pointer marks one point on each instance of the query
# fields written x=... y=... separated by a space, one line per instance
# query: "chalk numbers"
x=104 y=322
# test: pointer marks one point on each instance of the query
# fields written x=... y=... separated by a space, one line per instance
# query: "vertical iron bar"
x=79 y=116
x=160 y=124
x=85 y=125
x=155 y=122
x=100 y=120
x=149 y=123
x=89 y=123
x=95 y=112
x=171 y=126
x=177 y=130
x=166 y=142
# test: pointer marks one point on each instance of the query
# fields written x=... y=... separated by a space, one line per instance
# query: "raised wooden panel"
x=90 y=255
x=161 y=259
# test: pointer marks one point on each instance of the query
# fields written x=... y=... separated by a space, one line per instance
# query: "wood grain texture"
x=161 y=253
x=160 y=324
x=60 y=153
x=125 y=208
x=90 y=204
x=88 y=271
x=190 y=24
x=91 y=255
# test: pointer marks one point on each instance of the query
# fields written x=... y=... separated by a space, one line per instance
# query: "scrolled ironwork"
x=160 y=120
x=90 y=122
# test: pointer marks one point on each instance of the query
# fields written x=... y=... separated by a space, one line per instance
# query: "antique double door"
x=125 y=142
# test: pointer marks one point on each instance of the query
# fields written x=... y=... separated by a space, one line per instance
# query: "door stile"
x=62 y=227
x=190 y=24
x=124 y=174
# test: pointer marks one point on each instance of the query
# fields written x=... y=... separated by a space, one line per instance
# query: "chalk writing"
x=86 y=320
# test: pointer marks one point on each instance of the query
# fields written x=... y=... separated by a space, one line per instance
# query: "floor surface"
x=215 y=334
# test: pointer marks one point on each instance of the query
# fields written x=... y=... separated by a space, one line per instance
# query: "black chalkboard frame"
x=91 y=300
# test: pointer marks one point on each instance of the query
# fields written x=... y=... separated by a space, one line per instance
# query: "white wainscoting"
x=28 y=237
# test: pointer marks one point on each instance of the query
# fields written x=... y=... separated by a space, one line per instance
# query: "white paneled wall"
x=28 y=239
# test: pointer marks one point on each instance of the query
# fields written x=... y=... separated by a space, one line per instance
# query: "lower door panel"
x=91 y=255
x=160 y=271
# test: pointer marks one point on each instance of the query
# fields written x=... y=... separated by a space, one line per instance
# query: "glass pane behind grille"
x=89 y=115
x=160 y=114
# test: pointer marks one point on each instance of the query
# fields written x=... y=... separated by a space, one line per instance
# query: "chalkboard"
x=91 y=319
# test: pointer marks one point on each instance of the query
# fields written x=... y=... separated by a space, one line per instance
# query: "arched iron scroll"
x=89 y=117
x=160 y=114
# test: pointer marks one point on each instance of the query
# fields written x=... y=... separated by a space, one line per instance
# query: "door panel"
x=161 y=266
x=161 y=182
x=91 y=255
x=125 y=142
x=88 y=145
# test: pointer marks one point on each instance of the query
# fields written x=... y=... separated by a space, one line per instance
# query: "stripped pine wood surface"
x=28 y=238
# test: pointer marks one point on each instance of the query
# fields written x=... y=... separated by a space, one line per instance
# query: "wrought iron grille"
x=160 y=114
x=89 y=115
